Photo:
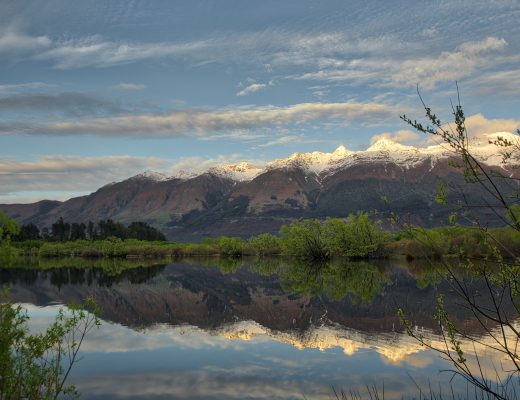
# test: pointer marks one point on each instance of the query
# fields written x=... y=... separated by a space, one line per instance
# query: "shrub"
x=304 y=239
x=230 y=246
x=357 y=237
x=265 y=244
x=37 y=366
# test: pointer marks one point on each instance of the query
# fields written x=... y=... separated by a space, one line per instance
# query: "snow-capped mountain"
x=245 y=199
x=315 y=162
x=382 y=150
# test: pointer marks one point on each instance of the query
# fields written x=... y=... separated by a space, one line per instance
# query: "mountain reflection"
x=278 y=295
x=232 y=307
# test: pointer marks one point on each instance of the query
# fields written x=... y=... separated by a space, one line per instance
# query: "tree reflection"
x=360 y=281
x=102 y=274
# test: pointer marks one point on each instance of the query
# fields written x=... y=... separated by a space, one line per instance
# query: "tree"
x=142 y=231
x=230 y=246
x=356 y=237
x=110 y=228
x=28 y=232
x=8 y=228
x=304 y=239
x=60 y=230
x=45 y=234
x=500 y=271
x=77 y=231
x=265 y=244
x=91 y=231
x=36 y=366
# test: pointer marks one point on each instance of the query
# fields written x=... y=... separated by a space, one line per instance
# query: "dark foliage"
x=62 y=231
x=28 y=232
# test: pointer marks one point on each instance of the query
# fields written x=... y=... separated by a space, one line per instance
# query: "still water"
x=253 y=329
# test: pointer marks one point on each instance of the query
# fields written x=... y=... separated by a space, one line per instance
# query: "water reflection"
x=222 y=329
x=67 y=271
x=360 y=281
x=279 y=295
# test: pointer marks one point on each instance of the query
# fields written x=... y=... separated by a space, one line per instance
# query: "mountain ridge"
x=243 y=199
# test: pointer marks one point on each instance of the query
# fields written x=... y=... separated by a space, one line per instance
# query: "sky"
x=97 y=91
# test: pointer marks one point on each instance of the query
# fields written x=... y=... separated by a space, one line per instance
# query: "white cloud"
x=478 y=125
x=236 y=134
x=205 y=382
x=11 y=40
x=336 y=56
x=255 y=87
x=480 y=128
x=67 y=174
x=408 y=72
x=402 y=136
x=268 y=48
x=129 y=86
x=448 y=66
x=66 y=103
x=502 y=83
x=289 y=139
x=201 y=123
x=94 y=51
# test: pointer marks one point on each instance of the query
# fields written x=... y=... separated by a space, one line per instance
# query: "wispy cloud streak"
x=382 y=59
x=254 y=87
x=202 y=122
x=54 y=173
x=64 y=103
x=428 y=71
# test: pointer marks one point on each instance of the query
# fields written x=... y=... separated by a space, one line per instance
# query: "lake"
x=253 y=329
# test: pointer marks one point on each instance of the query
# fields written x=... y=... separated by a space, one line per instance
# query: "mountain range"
x=243 y=199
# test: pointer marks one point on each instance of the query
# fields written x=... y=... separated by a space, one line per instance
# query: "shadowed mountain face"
x=216 y=203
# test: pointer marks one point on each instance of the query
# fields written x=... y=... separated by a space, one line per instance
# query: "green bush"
x=356 y=237
x=230 y=246
x=265 y=244
x=304 y=239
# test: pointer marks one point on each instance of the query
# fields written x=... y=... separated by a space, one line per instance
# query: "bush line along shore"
x=355 y=237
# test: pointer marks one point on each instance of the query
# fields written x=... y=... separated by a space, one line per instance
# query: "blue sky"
x=96 y=91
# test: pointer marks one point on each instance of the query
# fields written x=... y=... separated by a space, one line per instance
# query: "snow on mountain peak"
x=383 y=150
x=315 y=161
x=242 y=171
x=151 y=175
x=485 y=149
x=184 y=174
x=387 y=144
x=341 y=151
